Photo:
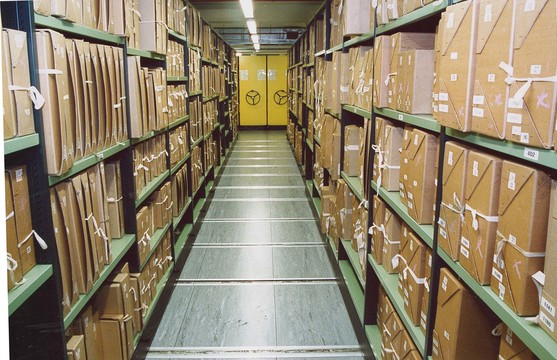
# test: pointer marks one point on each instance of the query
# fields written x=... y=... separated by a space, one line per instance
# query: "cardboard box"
x=457 y=335
x=391 y=239
x=351 y=150
x=404 y=163
x=457 y=64
x=549 y=294
x=512 y=348
x=479 y=228
x=114 y=339
x=15 y=273
x=422 y=157
x=97 y=187
x=455 y=166
x=90 y=330
x=114 y=199
x=531 y=105
x=92 y=226
x=343 y=218
x=424 y=311
x=388 y=156
x=411 y=275
x=75 y=348
x=495 y=30
x=418 y=81
x=355 y=17
x=377 y=229
x=381 y=54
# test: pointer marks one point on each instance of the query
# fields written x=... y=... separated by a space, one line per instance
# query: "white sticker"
x=454 y=77
x=512 y=239
x=478 y=100
x=509 y=339
x=416 y=138
x=443 y=108
x=478 y=112
x=444 y=283
x=442 y=222
x=488 y=15
x=547 y=306
x=531 y=154
x=443 y=96
x=496 y=274
x=514 y=118
x=450 y=20
x=516 y=130
x=511 y=182
x=450 y=158
x=514 y=104
x=535 y=69
x=401 y=117
x=454 y=55
x=525 y=138
x=475 y=168
x=529 y=5
x=547 y=321
x=464 y=252
x=18 y=175
x=415 y=183
x=465 y=242
x=443 y=233
x=446 y=334
x=410 y=196
x=490 y=77
x=410 y=206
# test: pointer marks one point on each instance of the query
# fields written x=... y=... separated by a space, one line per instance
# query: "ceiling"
x=279 y=23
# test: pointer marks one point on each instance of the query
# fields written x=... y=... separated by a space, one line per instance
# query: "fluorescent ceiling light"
x=247 y=8
x=252 y=26
x=255 y=38
x=257 y=46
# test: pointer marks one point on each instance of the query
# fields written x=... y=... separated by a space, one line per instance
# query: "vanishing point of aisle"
x=258 y=282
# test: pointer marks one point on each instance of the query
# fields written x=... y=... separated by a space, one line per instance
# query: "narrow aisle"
x=258 y=282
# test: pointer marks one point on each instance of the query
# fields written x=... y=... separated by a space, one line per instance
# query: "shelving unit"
x=34 y=279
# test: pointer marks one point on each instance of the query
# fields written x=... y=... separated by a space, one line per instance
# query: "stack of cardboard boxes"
x=210 y=116
x=195 y=26
x=177 y=102
x=178 y=142
x=176 y=19
x=152 y=26
x=175 y=59
x=180 y=192
x=149 y=161
x=196 y=168
x=194 y=69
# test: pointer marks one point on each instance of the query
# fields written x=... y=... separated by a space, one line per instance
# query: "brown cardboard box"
x=143 y=233
x=76 y=348
x=404 y=164
x=336 y=153
x=377 y=229
x=343 y=218
x=457 y=64
x=22 y=213
x=388 y=157
x=391 y=239
x=18 y=114
x=411 y=275
x=114 y=337
x=531 y=104
x=73 y=128
x=437 y=62
x=407 y=350
x=355 y=17
x=89 y=329
x=457 y=335
x=425 y=298
x=344 y=85
x=82 y=107
x=15 y=273
x=381 y=54
x=100 y=211
x=92 y=228
x=335 y=80
x=479 y=227
x=549 y=294
x=422 y=157
x=137 y=304
x=455 y=165
x=351 y=150
x=493 y=46
x=512 y=348
x=418 y=80
x=114 y=199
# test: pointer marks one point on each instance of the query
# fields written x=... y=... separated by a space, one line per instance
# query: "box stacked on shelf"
x=310 y=80
x=211 y=81
x=175 y=59
x=355 y=18
x=152 y=27
x=178 y=144
x=298 y=146
x=210 y=116
x=180 y=192
x=209 y=152
x=196 y=119
x=330 y=135
x=196 y=168
x=177 y=102
x=176 y=19
x=149 y=161
x=195 y=26
x=209 y=45
x=194 y=70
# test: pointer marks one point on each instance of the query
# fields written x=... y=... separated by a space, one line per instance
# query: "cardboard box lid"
x=527 y=15
x=455 y=15
x=455 y=155
x=449 y=289
x=490 y=12
x=482 y=167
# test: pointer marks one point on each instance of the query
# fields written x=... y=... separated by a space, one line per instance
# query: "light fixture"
x=257 y=46
x=255 y=38
x=247 y=8
x=252 y=26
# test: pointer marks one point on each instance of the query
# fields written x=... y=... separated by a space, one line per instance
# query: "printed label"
x=454 y=55
x=18 y=175
x=513 y=104
x=496 y=274
x=442 y=222
x=410 y=206
x=516 y=130
x=464 y=252
x=475 y=168
x=443 y=108
x=478 y=100
x=444 y=283
x=450 y=158
x=509 y=340
x=547 y=321
x=529 y=5
x=511 y=182
x=450 y=20
x=401 y=117
x=490 y=77
x=512 y=239
x=488 y=15
x=531 y=154
x=443 y=233
x=535 y=69
x=525 y=138
x=446 y=334
x=443 y=97
x=514 y=118
x=454 y=77
x=465 y=242
x=416 y=138
x=415 y=183
x=502 y=291
x=547 y=306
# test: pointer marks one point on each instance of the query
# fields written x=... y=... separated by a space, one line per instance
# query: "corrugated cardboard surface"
x=549 y=293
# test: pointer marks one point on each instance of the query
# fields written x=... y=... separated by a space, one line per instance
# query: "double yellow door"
x=263 y=92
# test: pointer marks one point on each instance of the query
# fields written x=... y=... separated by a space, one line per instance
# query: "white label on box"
x=547 y=306
x=531 y=154
x=401 y=117
x=400 y=61
x=436 y=96
x=475 y=168
x=410 y=206
x=514 y=118
x=509 y=340
x=390 y=93
x=435 y=181
x=410 y=196
x=443 y=233
x=535 y=69
x=490 y=77
x=516 y=130
x=443 y=108
x=488 y=15
x=514 y=104
x=444 y=283
x=446 y=334
x=18 y=175
x=464 y=252
x=415 y=183
x=511 y=182
x=454 y=55
x=547 y=321
x=409 y=59
x=411 y=245
x=465 y=242
x=478 y=100
x=416 y=138
x=454 y=77
x=28 y=250
x=502 y=291
x=496 y=274
x=443 y=96
x=525 y=138
x=529 y=5
x=512 y=239
x=450 y=20
x=442 y=222
x=450 y=158
x=405 y=175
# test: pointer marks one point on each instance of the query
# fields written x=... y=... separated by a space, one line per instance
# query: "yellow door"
x=277 y=112
x=253 y=90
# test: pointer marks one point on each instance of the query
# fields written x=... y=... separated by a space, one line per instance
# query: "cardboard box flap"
x=448 y=289
x=528 y=12
x=455 y=15
x=513 y=181
x=453 y=157
x=478 y=171
x=490 y=13
x=417 y=140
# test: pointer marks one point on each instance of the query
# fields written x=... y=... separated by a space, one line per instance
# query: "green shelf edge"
x=154 y=242
x=354 y=289
x=176 y=78
x=221 y=127
x=412 y=17
x=195 y=93
x=328 y=111
x=320 y=53
x=533 y=336
x=317 y=187
x=373 y=334
x=354 y=184
x=177 y=35
x=292 y=112
x=209 y=61
x=197 y=142
x=35 y=278
x=119 y=248
x=390 y=284
x=333 y=246
x=426 y=122
x=178 y=122
x=197 y=208
x=19 y=143
x=354 y=260
x=546 y=157
x=176 y=219
x=210 y=184
x=392 y=198
x=358 y=111
x=317 y=204
x=207 y=136
x=309 y=186
x=193 y=47
x=182 y=239
x=89 y=161
x=210 y=98
x=334 y=48
x=150 y=187
x=68 y=27
x=180 y=163
x=146 y=54
x=160 y=288
x=359 y=39
x=151 y=134
x=317 y=140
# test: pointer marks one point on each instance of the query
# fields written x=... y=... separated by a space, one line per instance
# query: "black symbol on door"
x=280 y=97
x=253 y=97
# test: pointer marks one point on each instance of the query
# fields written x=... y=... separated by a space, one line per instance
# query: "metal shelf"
x=207 y=136
x=146 y=54
x=210 y=183
x=89 y=161
x=177 y=35
x=293 y=66
x=210 y=98
x=354 y=184
x=181 y=241
x=34 y=279
x=156 y=238
x=358 y=111
x=335 y=115
x=354 y=288
x=150 y=187
x=178 y=122
x=197 y=142
x=334 y=48
x=533 y=336
x=414 y=16
x=320 y=53
x=20 y=143
x=537 y=156
x=310 y=145
x=119 y=247
x=193 y=47
x=390 y=284
x=180 y=163
x=392 y=198
x=209 y=61
x=317 y=187
x=426 y=122
x=359 y=39
x=199 y=205
x=64 y=26
x=354 y=260
x=149 y=135
x=374 y=337
x=176 y=220
x=317 y=140
x=176 y=78
x=333 y=246
x=195 y=93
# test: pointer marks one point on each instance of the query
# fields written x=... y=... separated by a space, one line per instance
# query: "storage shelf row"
x=354 y=184
x=20 y=143
x=149 y=135
x=177 y=36
x=178 y=122
x=354 y=288
x=354 y=260
x=180 y=163
x=150 y=187
x=34 y=279
x=50 y=22
x=358 y=111
x=176 y=78
x=155 y=240
x=146 y=54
